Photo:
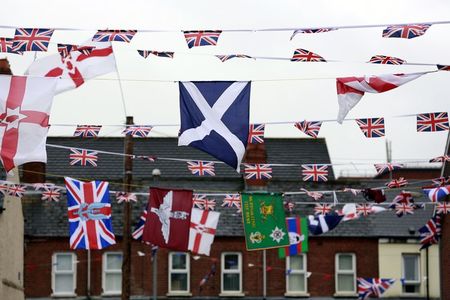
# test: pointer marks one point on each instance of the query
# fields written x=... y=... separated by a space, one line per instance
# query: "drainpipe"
x=89 y=274
x=427 y=272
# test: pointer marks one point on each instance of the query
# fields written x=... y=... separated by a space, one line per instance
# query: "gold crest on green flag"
x=264 y=221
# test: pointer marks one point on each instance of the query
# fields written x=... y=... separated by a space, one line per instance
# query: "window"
x=411 y=273
x=63 y=274
x=296 y=270
x=231 y=267
x=345 y=273
x=112 y=273
x=179 y=269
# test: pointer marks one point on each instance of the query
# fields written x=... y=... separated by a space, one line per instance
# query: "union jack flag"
x=137 y=131
x=51 y=194
x=231 y=200
x=373 y=287
x=65 y=49
x=310 y=128
x=315 y=172
x=386 y=60
x=430 y=232
x=432 y=122
x=443 y=208
x=198 y=200
x=403 y=197
x=396 y=183
x=201 y=168
x=89 y=212
x=139 y=229
x=312 y=30
x=224 y=58
x=6 y=45
x=144 y=157
x=322 y=209
x=404 y=209
x=364 y=209
x=4 y=187
x=257 y=171
x=87 y=131
x=443 y=67
x=442 y=158
x=31 y=39
x=305 y=55
x=16 y=190
x=387 y=167
x=371 y=127
x=42 y=186
x=114 y=35
x=441 y=181
x=127 y=197
x=209 y=204
x=437 y=194
x=83 y=157
x=315 y=195
x=202 y=38
x=256 y=134
x=405 y=31
x=146 y=53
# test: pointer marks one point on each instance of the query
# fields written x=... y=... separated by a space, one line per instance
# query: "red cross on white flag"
x=25 y=104
x=202 y=231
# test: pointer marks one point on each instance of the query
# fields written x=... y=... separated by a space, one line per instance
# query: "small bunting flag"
x=257 y=171
x=87 y=131
x=125 y=197
x=310 y=128
x=322 y=209
x=51 y=194
x=387 y=167
x=146 y=53
x=409 y=31
x=224 y=58
x=201 y=168
x=137 y=131
x=256 y=134
x=16 y=190
x=303 y=55
x=313 y=172
x=386 y=60
x=396 y=183
x=83 y=157
x=114 y=35
x=202 y=38
x=432 y=122
x=371 y=127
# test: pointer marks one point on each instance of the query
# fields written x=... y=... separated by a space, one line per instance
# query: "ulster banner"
x=168 y=218
x=203 y=229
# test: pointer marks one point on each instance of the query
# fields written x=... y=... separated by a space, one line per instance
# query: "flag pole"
x=126 y=239
x=264 y=275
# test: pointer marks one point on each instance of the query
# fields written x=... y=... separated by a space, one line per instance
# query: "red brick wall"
x=320 y=262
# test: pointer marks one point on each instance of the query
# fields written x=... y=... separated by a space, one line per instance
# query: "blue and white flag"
x=215 y=118
x=323 y=223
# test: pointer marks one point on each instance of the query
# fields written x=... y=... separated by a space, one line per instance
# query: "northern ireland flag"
x=351 y=89
x=77 y=67
x=25 y=104
x=168 y=218
x=202 y=231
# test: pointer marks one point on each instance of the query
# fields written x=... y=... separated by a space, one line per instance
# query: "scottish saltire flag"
x=430 y=233
x=257 y=171
x=371 y=127
x=202 y=38
x=321 y=224
x=89 y=211
x=298 y=237
x=311 y=30
x=405 y=31
x=224 y=58
x=432 y=122
x=387 y=167
x=65 y=49
x=201 y=168
x=6 y=46
x=137 y=131
x=312 y=172
x=443 y=67
x=114 y=35
x=443 y=208
x=323 y=209
x=214 y=118
x=397 y=183
x=31 y=39
x=83 y=157
x=87 y=131
x=306 y=56
x=146 y=53
x=386 y=60
x=139 y=229
x=310 y=128
x=437 y=194
x=256 y=134
x=373 y=287
x=442 y=158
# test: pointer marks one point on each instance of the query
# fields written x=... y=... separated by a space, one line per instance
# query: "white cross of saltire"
x=322 y=208
x=387 y=167
x=432 y=122
x=409 y=31
x=83 y=157
x=51 y=194
x=314 y=172
x=224 y=58
x=201 y=38
x=114 y=35
x=303 y=55
x=373 y=287
x=443 y=208
x=371 y=127
x=310 y=128
x=442 y=158
x=31 y=39
x=141 y=131
x=257 y=171
x=146 y=53
x=430 y=233
x=396 y=183
x=87 y=131
x=386 y=60
x=201 y=168
x=256 y=134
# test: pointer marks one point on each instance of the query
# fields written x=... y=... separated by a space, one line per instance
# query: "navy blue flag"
x=323 y=223
x=215 y=118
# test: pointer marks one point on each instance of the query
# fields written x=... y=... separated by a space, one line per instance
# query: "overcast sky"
x=281 y=90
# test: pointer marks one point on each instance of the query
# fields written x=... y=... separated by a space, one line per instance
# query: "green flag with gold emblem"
x=264 y=221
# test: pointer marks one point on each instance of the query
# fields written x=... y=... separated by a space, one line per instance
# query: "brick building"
x=359 y=248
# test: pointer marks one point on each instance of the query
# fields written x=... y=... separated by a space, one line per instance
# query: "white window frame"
x=180 y=271
x=104 y=271
x=338 y=272
x=56 y=272
x=412 y=282
x=237 y=271
x=293 y=272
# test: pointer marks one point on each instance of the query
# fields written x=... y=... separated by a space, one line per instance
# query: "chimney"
x=256 y=154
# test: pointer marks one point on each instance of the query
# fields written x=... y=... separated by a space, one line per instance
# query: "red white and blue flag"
x=397 y=183
x=125 y=197
x=313 y=194
x=386 y=60
x=371 y=127
x=443 y=67
x=387 y=167
x=87 y=131
x=65 y=49
x=224 y=58
x=313 y=172
x=201 y=168
x=409 y=31
x=146 y=53
x=139 y=229
x=202 y=38
x=430 y=233
x=198 y=200
x=443 y=208
x=306 y=56
x=404 y=209
x=137 y=131
x=114 y=35
x=209 y=204
x=310 y=128
x=6 y=46
x=51 y=194
x=437 y=194
x=89 y=211
x=31 y=39
x=323 y=209
x=432 y=122
x=231 y=200
x=257 y=171
x=311 y=30
x=83 y=157
x=373 y=287
x=442 y=158
x=441 y=181
x=363 y=209
x=16 y=190
x=256 y=134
